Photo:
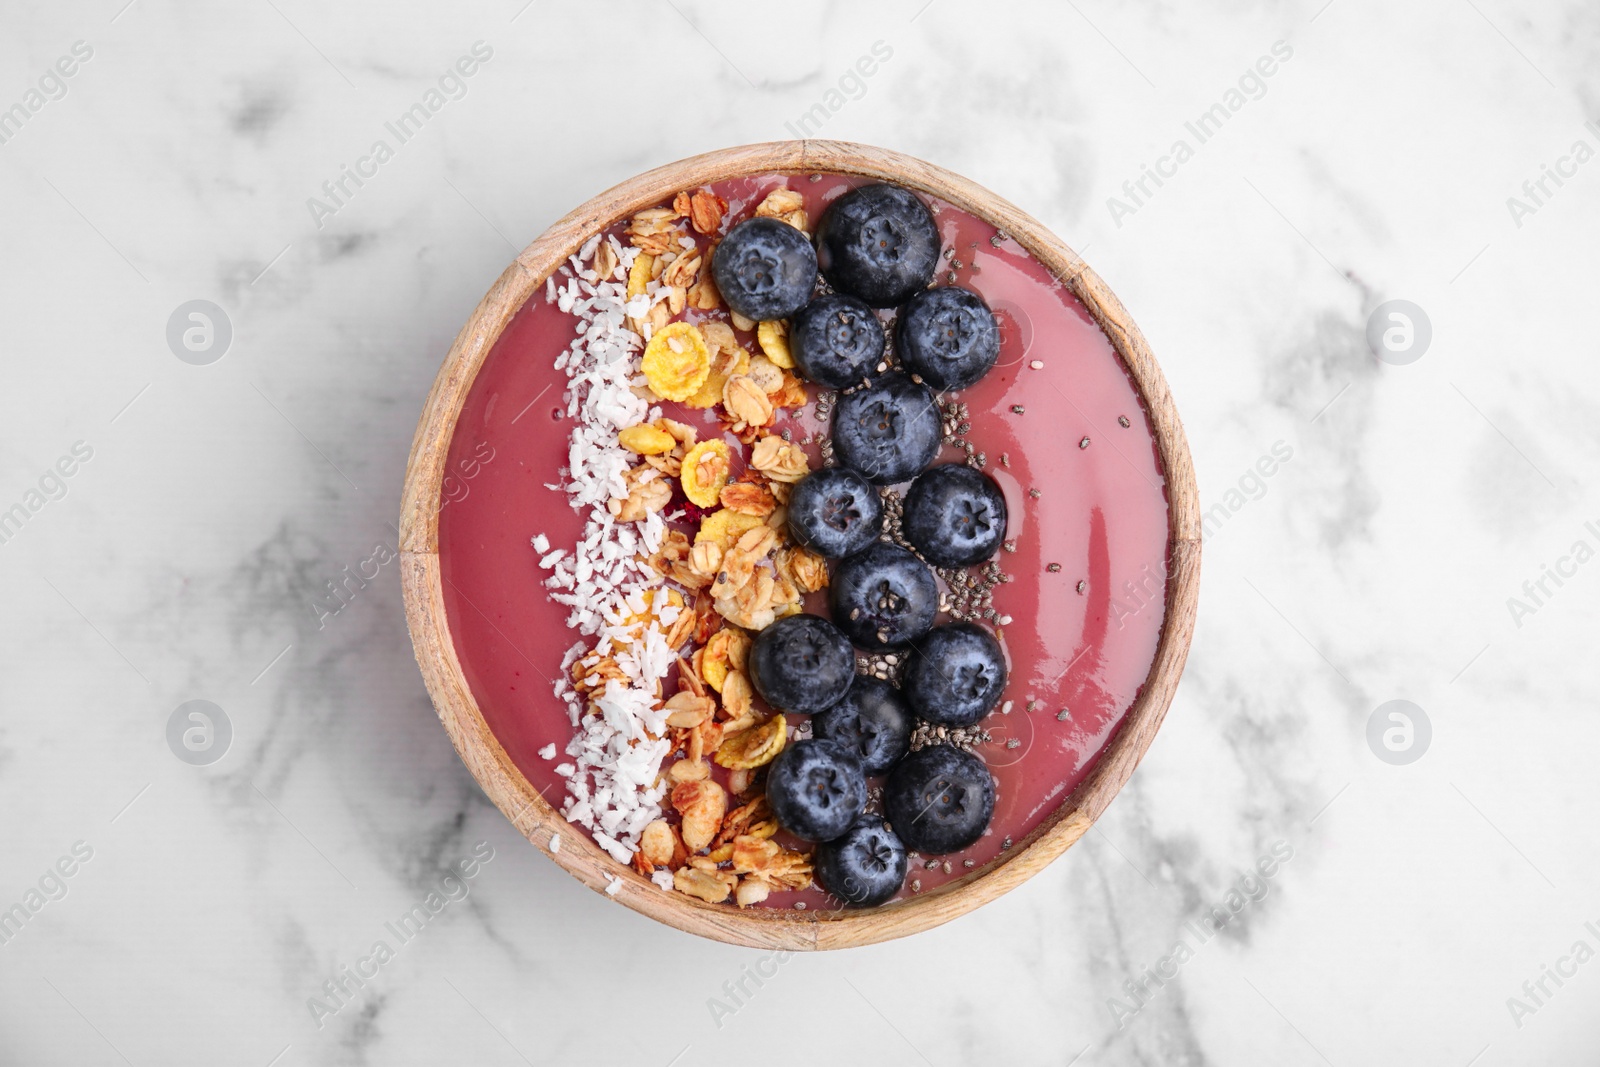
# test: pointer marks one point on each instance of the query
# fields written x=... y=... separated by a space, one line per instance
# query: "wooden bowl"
x=504 y=782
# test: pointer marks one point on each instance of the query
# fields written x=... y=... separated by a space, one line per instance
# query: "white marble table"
x=208 y=504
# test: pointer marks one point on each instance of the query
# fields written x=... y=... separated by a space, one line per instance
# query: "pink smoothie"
x=1088 y=517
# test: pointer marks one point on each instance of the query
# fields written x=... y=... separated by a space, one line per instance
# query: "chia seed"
x=1082 y=587
x=969 y=863
x=799 y=905
x=1062 y=715
x=1035 y=493
x=1018 y=409
x=916 y=885
x=1013 y=743
x=1009 y=546
x=1122 y=420
x=1084 y=443
x=965 y=738
x=1054 y=568
x=1006 y=844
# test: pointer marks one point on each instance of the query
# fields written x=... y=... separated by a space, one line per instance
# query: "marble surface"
x=182 y=557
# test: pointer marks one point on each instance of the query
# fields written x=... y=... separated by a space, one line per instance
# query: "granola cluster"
x=722 y=566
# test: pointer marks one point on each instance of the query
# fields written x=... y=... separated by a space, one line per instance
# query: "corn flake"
x=725 y=527
x=677 y=361
x=774 y=340
x=705 y=471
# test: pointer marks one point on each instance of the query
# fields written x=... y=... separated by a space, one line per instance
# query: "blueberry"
x=939 y=799
x=872 y=719
x=956 y=675
x=948 y=336
x=866 y=866
x=801 y=663
x=883 y=597
x=816 y=789
x=889 y=430
x=879 y=243
x=837 y=341
x=835 y=512
x=765 y=269
x=954 y=515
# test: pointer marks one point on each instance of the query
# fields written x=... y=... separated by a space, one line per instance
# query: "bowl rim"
x=500 y=778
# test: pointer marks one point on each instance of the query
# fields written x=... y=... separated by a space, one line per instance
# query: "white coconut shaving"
x=604 y=579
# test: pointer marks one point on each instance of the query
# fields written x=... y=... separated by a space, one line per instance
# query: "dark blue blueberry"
x=765 y=269
x=939 y=799
x=883 y=597
x=872 y=719
x=866 y=866
x=954 y=515
x=889 y=431
x=948 y=336
x=835 y=512
x=816 y=789
x=955 y=675
x=837 y=341
x=801 y=663
x=879 y=243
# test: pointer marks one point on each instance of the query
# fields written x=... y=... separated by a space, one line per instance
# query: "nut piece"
x=706 y=211
x=689 y=771
x=751 y=891
x=657 y=843
x=738 y=702
x=702 y=805
x=605 y=261
x=713 y=887
x=755 y=747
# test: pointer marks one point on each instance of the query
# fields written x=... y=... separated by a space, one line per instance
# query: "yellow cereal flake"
x=705 y=471
x=725 y=363
x=676 y=361
x=724 y=652
x=639 y=274
x=774 y=340
x=725 y=527
x=647 y=440
x=754 y=747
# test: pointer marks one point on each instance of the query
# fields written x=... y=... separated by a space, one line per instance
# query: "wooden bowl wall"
x=505 y=784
